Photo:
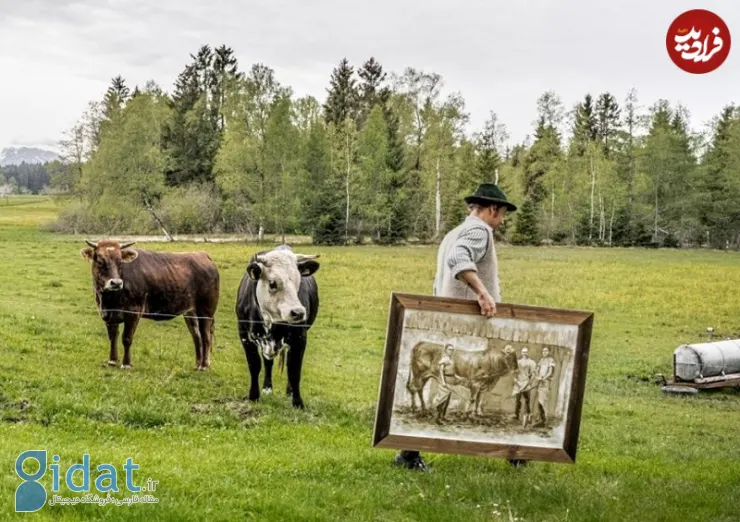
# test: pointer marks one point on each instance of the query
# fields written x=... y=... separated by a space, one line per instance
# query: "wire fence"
x=325 y=322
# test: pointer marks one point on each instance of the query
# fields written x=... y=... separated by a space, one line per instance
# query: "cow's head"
x=278 y=275
x=107 y=258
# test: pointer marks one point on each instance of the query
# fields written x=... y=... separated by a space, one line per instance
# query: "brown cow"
x=133 y=283
x=478 y=371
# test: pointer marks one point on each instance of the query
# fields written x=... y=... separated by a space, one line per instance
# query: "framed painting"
x=455 y=381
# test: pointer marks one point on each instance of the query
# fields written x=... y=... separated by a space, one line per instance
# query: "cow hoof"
x=266 y=391
x=125 y=366
x=299 y=405
x=112 y=363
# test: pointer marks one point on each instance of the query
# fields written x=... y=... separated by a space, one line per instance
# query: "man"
x=545 y=371
x=524 y=383
x=467 y=267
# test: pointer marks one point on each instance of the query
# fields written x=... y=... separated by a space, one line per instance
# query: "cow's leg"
x=254 y=361
x=479 y=401
x=206 y=326
x=113 y=338
x=415 y=386
x=420 y=391
x=472 y=403
x=129 y=329
x=267 y=380
x=295 y=363
x=192 y=323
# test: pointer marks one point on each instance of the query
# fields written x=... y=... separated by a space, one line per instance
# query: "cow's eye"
x=273 y=286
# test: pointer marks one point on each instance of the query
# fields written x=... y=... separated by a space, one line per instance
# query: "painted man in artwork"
x=444 y=392
x=524 y=382
x=545 y=371
x=467 y=267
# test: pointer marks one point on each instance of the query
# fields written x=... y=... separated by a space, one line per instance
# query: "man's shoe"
x=414 y=463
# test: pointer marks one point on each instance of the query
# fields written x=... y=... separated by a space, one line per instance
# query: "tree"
x=668 y=162
x=282 y=164
x=240 y=167
x=126 y=173
x=717 y=210
x=607 y=122
x=584 y=127
x=342 y=102
x=327 y=208
x=371 y=92
x=540 y=160
x=399 y=188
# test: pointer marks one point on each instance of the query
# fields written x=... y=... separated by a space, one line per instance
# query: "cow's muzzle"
x=113 y=285
x=297 y=315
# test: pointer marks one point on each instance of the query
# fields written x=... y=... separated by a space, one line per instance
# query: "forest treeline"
x=385 y=157
x=27 y=178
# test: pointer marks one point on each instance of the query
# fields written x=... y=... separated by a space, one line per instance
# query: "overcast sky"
x=57 y=55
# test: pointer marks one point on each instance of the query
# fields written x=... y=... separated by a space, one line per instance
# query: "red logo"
x=698 y=41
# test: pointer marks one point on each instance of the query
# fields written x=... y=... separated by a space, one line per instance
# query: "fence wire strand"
x=150 y=315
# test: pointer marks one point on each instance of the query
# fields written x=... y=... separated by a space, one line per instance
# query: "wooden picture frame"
x=480 y=351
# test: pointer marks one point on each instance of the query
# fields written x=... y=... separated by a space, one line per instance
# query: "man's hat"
x=488 y=194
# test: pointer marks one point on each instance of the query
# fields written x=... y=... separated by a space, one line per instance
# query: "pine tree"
x=584 y=127
x=192 y=138
x=225 y=72
x=607 y=122
x=400 y=211
x=489 y=145
x=527 y=224
x=371 y=91
x=327 y=206
x=717 y=209
x=342 y=103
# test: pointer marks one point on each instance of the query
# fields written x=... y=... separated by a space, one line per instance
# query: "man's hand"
x=486 y=302
x=487 y=305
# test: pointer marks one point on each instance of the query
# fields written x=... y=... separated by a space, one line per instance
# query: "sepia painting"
x=509 y=385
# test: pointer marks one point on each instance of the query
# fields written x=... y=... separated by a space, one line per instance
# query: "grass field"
x=643 y=456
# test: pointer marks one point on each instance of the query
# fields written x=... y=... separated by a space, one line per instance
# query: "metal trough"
x=714 y=364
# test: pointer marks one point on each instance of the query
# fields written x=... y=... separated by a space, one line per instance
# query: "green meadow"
x=642 y=455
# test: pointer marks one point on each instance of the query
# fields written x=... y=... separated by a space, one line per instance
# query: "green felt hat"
x=490 y=193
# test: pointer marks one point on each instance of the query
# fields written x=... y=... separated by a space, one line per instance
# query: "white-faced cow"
x=478 y=371
x=130 y=284
x=277 y=303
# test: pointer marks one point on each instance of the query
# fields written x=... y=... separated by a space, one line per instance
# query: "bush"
x=194 y=209
x=671 y=241
x=105 y=217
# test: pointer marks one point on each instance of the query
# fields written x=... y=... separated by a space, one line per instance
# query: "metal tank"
x=702 y=361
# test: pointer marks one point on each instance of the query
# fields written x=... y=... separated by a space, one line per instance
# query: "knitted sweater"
x=469 y=246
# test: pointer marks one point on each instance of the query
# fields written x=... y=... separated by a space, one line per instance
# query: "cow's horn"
x=90 y=243
x=126 y=245
x=306 y=257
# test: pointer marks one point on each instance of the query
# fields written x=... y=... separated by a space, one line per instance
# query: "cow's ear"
x=308 y=267
x=254 y=270
x=129 y=255
x=87 y=253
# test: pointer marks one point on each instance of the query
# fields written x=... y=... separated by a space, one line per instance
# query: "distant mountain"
x=16 y=156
